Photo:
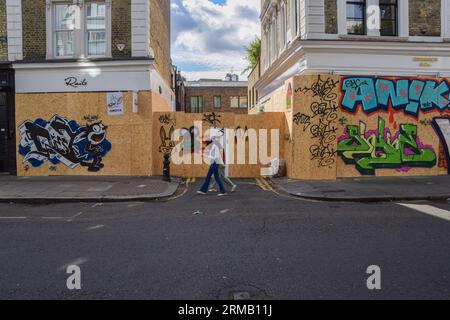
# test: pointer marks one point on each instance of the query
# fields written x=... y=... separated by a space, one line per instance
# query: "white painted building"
x=342 y=37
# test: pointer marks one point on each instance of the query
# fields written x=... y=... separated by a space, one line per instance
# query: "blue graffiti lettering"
x=409 y=94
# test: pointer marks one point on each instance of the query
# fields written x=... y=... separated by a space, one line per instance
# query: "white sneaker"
x=233 y=188
x=222 y=194
x=201 y=192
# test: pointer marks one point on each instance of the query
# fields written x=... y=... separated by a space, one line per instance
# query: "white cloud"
x=209 y=37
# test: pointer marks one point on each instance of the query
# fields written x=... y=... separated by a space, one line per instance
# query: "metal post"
x=166 y=168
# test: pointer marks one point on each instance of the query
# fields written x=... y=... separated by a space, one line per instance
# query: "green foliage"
x=253 y=51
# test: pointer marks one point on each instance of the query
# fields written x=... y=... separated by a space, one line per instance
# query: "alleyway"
x=255 y=242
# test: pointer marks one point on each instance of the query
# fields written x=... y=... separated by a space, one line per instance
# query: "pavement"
x=256 y=243
x=369 y=189
x=84 y=189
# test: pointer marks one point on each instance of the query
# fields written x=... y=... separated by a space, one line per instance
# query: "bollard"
x=166 y=168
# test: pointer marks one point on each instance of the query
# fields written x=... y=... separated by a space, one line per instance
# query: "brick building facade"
x=100 y=64
x=216 y=96
x=3 y=34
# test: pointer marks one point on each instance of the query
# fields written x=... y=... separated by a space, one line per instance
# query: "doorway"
x=7 y=128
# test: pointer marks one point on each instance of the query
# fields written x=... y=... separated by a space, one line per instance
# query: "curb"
x=171 y=190
x=309 y=196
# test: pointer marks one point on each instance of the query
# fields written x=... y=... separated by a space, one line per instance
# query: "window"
x=356 y=17
x=78 y=30
x=96 y=29
x=389 y=13
x=282 y=27
x=296 y=16
x=64 y=29
x=217 y=102
x=196 y=104
x=239 y=102
x=234 y=102
x=243 y=102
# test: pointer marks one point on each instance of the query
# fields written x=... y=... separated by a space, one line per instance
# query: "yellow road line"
x=267 y=184
x=261 y=184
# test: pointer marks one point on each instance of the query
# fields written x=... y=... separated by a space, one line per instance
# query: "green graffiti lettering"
x=379 y=149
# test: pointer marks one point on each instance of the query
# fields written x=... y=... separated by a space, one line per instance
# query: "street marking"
x=13 y=217
x=266 y=183
x=53 y=218
x=95 y=227
x=75 y=216
x=260 y=184
x=427 y=209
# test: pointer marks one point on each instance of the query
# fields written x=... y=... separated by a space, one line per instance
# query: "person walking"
x=213 y=152
x=223 y=176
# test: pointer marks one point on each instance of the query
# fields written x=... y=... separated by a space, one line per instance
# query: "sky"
x=208 y=36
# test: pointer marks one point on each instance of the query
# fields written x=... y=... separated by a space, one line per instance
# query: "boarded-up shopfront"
x=327 y=127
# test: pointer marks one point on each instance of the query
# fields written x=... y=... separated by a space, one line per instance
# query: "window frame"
x=86 y=30
x=220 y=102
x=364 y=18
x=80 y=50
x=396 y=20
x=199 y=101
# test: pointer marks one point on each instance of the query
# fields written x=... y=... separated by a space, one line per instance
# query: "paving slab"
x=84 y=189
x=369 y=188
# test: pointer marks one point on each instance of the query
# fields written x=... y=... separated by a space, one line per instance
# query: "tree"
x=253 y=51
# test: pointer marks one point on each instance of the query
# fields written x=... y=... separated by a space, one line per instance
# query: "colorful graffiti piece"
x=411 y=95
x=192 y=141
x=63 y=141
x=380 y=149
x=442 y=127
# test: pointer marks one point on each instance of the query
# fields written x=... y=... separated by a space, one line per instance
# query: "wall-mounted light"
x=120 y=47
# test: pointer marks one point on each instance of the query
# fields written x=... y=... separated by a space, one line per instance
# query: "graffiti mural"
x=212 y=119
x=167 y=119
x=322 y=121
x=167 y=144
x=442 y=127
x=191 y=139
x=64 y=141
x=410 y=95
x=380 y=149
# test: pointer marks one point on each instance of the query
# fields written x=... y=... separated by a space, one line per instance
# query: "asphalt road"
x=254 y=244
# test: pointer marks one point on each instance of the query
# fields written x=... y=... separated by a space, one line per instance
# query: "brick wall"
x=160 y=36
x=208 y=94
x=34 y=30
x=331 y=17
x=425 y=17
x=121 y=28
x=3 y=34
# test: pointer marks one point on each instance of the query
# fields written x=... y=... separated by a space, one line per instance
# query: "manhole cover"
x=243 y=292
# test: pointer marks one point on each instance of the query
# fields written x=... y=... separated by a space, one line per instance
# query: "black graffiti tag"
x=321 y=122
x=212 y=119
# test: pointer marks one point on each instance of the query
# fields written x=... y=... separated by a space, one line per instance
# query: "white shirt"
x=214 y=153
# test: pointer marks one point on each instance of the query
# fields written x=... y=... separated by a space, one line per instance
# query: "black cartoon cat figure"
x=96 y=134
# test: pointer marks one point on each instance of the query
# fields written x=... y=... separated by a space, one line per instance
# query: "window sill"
x=372 y=38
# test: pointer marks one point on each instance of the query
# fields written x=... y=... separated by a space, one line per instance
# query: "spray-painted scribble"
x=369 y=150
x=322 y=121
x=63 y=141
x=212 y=119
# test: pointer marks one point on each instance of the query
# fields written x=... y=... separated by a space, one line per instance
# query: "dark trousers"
x=213 y=170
